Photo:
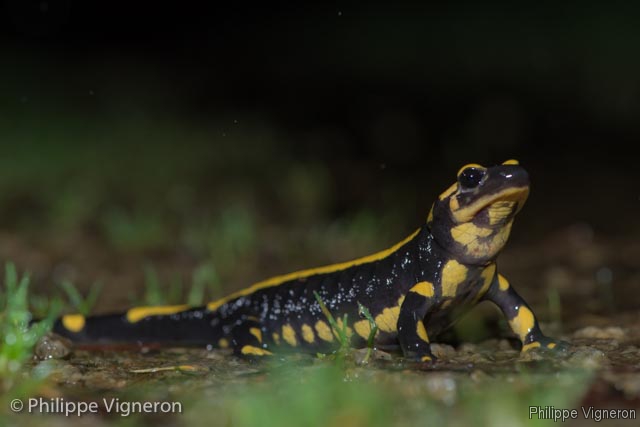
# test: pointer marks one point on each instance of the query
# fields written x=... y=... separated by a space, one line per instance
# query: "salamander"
x=414 y=290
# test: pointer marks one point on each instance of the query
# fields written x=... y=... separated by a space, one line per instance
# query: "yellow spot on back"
x=551 y=345
x=522 y=323
x=278 y=280
x=138 y=313
x=256 y=333
x=223 y=343
x=531 y=345
x=387 y=321
x=276 y=338
x=453 y=274
x=421 y=331
x=503 y=283
x=289 y=335
x=250 y=350
x=73 y=322
x=307 y=334
x=324 y=331
x=511 y=162
x=362 y=328
x=423 y=288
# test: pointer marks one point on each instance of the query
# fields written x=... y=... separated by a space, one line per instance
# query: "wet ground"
x=580 y=283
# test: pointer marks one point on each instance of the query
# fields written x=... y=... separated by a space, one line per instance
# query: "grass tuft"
x=19 y=334
x=82 y=305
x=340 y=331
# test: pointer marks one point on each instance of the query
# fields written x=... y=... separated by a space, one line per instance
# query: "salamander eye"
x=471 y=177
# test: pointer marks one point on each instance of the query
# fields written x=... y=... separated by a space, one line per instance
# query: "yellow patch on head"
x=256 y=333
x=449 y=191
x=500 y=210
x=454 y=204
x=423 y=288
x=276 y=338
x=483 y=246
x=530 y=346
x=421 y=331
x=289 y=335
x=511 y=194
x=387 y=321
x=511 y=162
x=362 y=328
x=426 y=359
x=307 y=334
x=453 y=274
x=470 y=165
x=250 y=350
x=324 y=331
x=466 y=233
x=73 y=322
x=551 y=345
x=138 y=313
x=523 y=322
x=223 y=343
x=503 y=283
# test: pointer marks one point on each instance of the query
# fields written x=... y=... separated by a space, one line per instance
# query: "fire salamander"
x=413 y=290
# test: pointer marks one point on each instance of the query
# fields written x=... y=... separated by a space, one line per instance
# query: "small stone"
x=52 y=347
x=443 y=351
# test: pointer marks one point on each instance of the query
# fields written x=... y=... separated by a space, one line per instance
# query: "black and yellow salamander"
x=414 y=290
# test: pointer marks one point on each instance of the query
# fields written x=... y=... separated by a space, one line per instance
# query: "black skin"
x=379 y=285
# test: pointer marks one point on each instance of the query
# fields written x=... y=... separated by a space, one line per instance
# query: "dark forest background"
x=134 y=125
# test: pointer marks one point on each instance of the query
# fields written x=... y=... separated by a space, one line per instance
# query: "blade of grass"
x=364 y=311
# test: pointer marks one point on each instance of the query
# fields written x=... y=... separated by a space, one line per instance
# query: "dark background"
x=377 y=105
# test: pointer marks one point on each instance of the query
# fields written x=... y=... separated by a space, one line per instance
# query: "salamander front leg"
x=520 y=316
x=412 y=333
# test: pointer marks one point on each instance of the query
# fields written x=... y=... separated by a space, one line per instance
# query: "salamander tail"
x=162 y=324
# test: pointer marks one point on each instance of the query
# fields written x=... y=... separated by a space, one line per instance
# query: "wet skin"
x=414 y=290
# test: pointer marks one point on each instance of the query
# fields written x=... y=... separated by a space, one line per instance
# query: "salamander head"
x=472 y=219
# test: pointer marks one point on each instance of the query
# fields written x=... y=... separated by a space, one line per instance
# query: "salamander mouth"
x=498 y=207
